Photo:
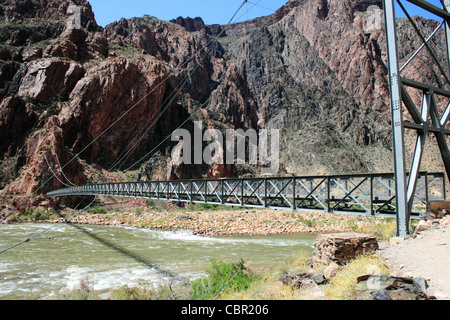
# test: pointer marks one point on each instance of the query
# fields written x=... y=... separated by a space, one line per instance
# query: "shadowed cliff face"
x=89 y=96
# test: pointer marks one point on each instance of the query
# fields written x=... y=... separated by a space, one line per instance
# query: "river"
x=110 y=257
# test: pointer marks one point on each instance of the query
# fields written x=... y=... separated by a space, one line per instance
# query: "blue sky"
x=211 y=11
x=414 y=10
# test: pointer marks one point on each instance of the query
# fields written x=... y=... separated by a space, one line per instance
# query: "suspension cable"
x=61 y=168
x=54 y=174
x=66 y=220
x=166 y=104
x=50 y=228
x=62 y=171
x=181 y=125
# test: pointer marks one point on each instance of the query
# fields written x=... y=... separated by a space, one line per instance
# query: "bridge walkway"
x=371 y=194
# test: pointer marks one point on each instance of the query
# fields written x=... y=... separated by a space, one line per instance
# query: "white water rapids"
x=111 y=257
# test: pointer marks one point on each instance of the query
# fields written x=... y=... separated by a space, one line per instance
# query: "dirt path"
x=426 y=255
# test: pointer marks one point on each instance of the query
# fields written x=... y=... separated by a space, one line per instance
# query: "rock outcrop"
x=384 y=287
x=339 y=248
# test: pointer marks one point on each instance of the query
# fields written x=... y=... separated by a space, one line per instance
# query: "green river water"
x=111 y=257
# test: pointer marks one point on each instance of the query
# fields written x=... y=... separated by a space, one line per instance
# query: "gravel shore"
x=426 y=255
x=233 y=222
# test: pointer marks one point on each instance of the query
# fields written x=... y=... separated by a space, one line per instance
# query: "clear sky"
x=414 y=10
x=211 y=11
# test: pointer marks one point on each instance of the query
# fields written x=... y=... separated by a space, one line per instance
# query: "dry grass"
x=342 y=286
x=267 y=289
x=270 y=287
x=382 y=229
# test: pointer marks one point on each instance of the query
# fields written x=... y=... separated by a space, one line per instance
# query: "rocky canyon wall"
x=84 y=103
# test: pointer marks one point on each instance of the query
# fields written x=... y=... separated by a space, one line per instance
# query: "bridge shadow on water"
x=139 y=259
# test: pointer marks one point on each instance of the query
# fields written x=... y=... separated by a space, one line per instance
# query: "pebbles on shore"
x=229 y=223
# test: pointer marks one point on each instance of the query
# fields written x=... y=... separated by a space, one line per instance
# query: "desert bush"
x=222 y=278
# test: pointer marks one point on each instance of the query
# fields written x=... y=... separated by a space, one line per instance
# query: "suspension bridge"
x=372 y=194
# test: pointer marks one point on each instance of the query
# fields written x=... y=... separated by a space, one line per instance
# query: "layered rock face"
x=69 y=107
x=88 y=100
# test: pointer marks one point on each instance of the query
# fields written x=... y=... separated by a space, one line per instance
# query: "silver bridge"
x=372 y=194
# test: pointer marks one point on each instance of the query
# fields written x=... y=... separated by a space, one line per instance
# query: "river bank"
x=233 y=222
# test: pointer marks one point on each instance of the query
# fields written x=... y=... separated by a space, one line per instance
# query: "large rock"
x=383 y=287
x=341 y=247
x=49 y=78
x=437 y=209
x=423 y=225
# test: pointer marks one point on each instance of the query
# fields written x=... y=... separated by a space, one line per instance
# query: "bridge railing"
x=371 y=194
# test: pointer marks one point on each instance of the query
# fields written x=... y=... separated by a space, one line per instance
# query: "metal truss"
x=426 y=118
x=372 y=194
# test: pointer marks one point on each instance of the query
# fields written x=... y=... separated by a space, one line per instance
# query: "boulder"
x=422 y=226
x=311 y=279
x=445 y=221
x=383 y=287
x=331 y=270
x=339 y=248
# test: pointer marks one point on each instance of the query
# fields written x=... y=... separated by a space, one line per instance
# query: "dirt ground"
x=427 y=255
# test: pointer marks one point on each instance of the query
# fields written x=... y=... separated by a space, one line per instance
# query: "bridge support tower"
x=428 y=118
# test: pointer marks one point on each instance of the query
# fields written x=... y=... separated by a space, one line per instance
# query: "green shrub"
x=156 y=205
x=212 y=207
x=307 y=222
x=352 y=224
x=138 y=211
x=37 y=214
x=8 y=168
x=21 y=33
x=97 y=210
x=222 y=278
x=207 y=207
x=133 y=293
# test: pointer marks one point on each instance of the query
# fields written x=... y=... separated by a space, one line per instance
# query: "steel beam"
x=397 y=120
x=447 y=32
x=418 y=152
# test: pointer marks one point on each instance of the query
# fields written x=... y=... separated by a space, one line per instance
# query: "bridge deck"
x=372 y=194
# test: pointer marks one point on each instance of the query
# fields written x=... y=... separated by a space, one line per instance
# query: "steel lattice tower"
x=426 y=118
